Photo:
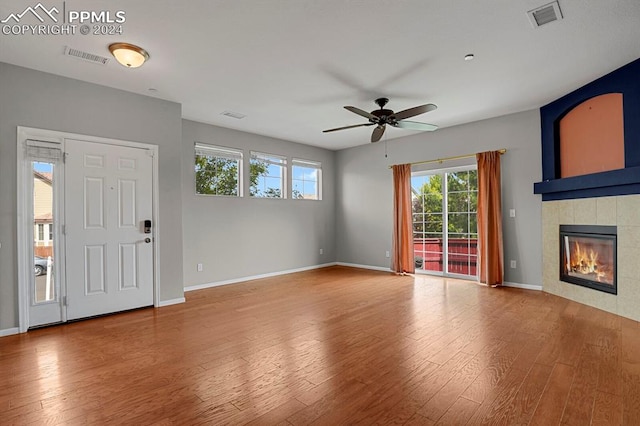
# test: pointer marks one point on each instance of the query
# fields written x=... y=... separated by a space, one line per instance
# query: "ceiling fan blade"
x=361 y=112
x=414 y=125
x=411 y=112
x=377 y=133
x=347 y=127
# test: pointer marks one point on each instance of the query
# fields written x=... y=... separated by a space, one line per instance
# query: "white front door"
x=109 y=257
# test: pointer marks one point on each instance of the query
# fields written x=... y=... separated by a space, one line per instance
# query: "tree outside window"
x=267 y=175
x=462 y=199
x=218 y=171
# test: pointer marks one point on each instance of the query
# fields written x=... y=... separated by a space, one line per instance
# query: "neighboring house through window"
x=42 y=206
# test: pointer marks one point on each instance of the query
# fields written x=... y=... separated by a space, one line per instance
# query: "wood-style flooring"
x=329 y=347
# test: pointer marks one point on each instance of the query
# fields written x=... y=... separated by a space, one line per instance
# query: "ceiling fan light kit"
x=381 y=117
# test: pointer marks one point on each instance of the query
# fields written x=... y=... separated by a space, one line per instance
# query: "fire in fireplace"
x=588 y=256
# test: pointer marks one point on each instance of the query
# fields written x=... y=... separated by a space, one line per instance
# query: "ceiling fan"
x=381 y=117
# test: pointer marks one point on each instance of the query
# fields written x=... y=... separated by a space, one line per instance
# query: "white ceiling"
x=291 y=65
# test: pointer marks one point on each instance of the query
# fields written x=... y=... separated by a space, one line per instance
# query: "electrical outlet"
x=199 y=267
x=512 y=212
x=321 y=251
x=513 y=264
x=387 y=254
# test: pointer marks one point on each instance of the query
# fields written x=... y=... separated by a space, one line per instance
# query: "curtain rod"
x=458 y=157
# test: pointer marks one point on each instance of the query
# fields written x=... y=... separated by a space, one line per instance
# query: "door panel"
x=444 y=221
x=128 y=266
x=127 y=203
x=108 y=197
x=428 y=222
x=93 y=203
x=94 y=269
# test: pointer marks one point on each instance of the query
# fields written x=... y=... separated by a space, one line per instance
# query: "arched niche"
x=592 y=136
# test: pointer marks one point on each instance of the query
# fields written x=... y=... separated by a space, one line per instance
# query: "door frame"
x=445 y=221
x=24 y=233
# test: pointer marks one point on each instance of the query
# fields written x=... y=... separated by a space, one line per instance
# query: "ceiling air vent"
x=233 y=114
x=545 y=14
x=85 y=56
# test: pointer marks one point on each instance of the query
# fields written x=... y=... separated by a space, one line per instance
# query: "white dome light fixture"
x=129 y=55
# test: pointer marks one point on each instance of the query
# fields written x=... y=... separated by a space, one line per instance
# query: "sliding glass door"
x=445 y=231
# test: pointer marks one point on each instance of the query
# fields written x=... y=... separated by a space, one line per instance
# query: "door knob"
x=147 y=240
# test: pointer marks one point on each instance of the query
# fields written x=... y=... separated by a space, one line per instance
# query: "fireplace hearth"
x=588 y=256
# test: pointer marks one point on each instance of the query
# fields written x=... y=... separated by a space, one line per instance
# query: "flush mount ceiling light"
x=469 y=57
x=129 y=55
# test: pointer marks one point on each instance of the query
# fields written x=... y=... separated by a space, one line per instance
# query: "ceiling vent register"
x=85 y=56
x=545 y=14
x=233 y=114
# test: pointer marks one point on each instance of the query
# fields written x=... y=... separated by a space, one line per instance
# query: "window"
x=306 y=180
x=218 y=170
x=445 y=229
x=267 y=174
x=44 y=158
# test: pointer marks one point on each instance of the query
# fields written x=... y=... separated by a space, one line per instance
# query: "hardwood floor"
x=332 y=346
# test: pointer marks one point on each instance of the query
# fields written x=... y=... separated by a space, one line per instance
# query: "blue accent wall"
x=625 y=80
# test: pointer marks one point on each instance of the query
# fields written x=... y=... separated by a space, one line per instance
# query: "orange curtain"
x=490 y=251
x=402 y=260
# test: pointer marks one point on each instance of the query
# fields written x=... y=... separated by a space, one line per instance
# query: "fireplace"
x=588 y=256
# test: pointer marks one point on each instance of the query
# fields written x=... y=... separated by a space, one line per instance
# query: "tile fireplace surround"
x=622 y=211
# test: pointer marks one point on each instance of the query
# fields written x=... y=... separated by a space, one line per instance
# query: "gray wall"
x=242 y=237
x=35 y=99
x=236 y=238
x=364 y=189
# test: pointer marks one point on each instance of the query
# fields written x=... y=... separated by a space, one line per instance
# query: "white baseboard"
x=308 y=268
x=380 y=268
x=256 y=277
x=355 y=265
x=171 y=302
x=9 y=331
x=525 y=286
